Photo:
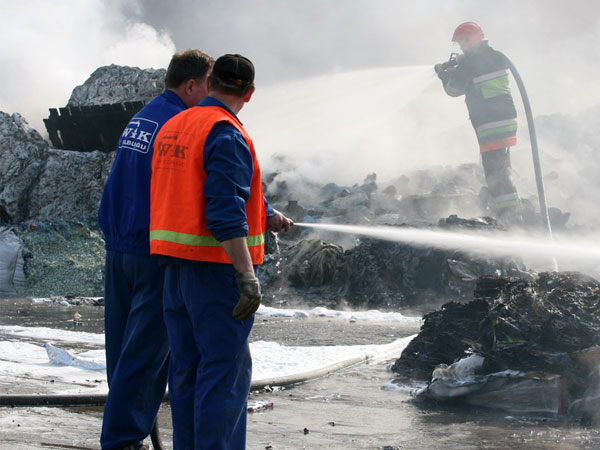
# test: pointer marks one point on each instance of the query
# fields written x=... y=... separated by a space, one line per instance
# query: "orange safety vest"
x=177 y=203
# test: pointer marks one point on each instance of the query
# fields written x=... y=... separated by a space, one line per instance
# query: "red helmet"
x=468 y=34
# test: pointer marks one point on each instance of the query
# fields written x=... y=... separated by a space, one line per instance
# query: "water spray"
x=467 y=242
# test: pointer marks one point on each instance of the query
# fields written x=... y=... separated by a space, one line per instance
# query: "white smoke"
x=344 y=126
x=344 y=89
x=48 y=48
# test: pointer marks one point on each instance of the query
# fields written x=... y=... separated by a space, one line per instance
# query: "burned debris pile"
x=515 y=335
x=43 y=188
x=379 y=274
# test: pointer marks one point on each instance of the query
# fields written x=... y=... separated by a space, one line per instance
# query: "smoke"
x=343 y=88
x=553 y=43
x=343 y=126
x=51 y=47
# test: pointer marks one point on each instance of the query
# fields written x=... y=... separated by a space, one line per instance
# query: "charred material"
x=309 y=269
x=382 y=274
x=515 y=324
x=545 y=330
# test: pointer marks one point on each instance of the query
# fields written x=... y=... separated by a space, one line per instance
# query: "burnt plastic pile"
x=378 y=274
x=515 y=324
x=543 y=329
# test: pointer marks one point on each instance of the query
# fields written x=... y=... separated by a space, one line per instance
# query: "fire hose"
x=539 y=179
x=100 y=399
x=534 y=148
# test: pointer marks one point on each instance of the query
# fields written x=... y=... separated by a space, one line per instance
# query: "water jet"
x=475 y=243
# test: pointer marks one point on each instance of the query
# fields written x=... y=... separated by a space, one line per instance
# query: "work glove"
x=250 y=295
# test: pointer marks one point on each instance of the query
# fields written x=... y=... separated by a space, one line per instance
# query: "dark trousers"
x=501 y=189
x=210 y=368
x=136 y=348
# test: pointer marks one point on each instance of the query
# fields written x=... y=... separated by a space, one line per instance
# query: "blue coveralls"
x=136 y=340
x=210 y=368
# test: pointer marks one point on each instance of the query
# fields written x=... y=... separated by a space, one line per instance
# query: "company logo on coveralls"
x=138 y=135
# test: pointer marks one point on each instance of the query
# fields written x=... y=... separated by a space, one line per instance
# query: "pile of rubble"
x=58 y=191
x=381 y=274
x=523 y=346
x=116 y=84
x=37 y=181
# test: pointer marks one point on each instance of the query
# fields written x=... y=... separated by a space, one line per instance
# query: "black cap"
x=235 y=70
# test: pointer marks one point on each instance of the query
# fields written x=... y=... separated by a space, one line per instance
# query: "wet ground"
x=351 y=409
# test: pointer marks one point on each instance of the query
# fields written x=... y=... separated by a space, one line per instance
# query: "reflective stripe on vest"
x=493 y=84
x=178 y=227
x=203 y=241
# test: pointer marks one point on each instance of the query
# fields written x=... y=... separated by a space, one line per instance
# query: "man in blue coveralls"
x=136 y=338
x=208 y=219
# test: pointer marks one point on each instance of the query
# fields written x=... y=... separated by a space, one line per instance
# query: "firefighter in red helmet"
x=467 y=35
x=481 y=74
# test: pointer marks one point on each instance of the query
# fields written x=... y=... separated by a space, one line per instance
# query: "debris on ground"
x=523 y=346
x=259 y=405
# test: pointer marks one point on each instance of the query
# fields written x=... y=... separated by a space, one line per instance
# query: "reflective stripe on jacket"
x=493 y=84
x=495 y=135
x=178 y=225
x=505 y=201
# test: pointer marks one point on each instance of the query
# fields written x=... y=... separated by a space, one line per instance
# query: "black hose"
x=155 y=437
x=52 y=400
x=534 y=148
x=70 y=400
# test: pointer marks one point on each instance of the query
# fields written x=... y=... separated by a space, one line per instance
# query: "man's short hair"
x=232 y=74
x=187 y=64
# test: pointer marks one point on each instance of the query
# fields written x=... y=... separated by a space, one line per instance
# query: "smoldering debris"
x=379 y=274
x=523 y=346
x=330 y=269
